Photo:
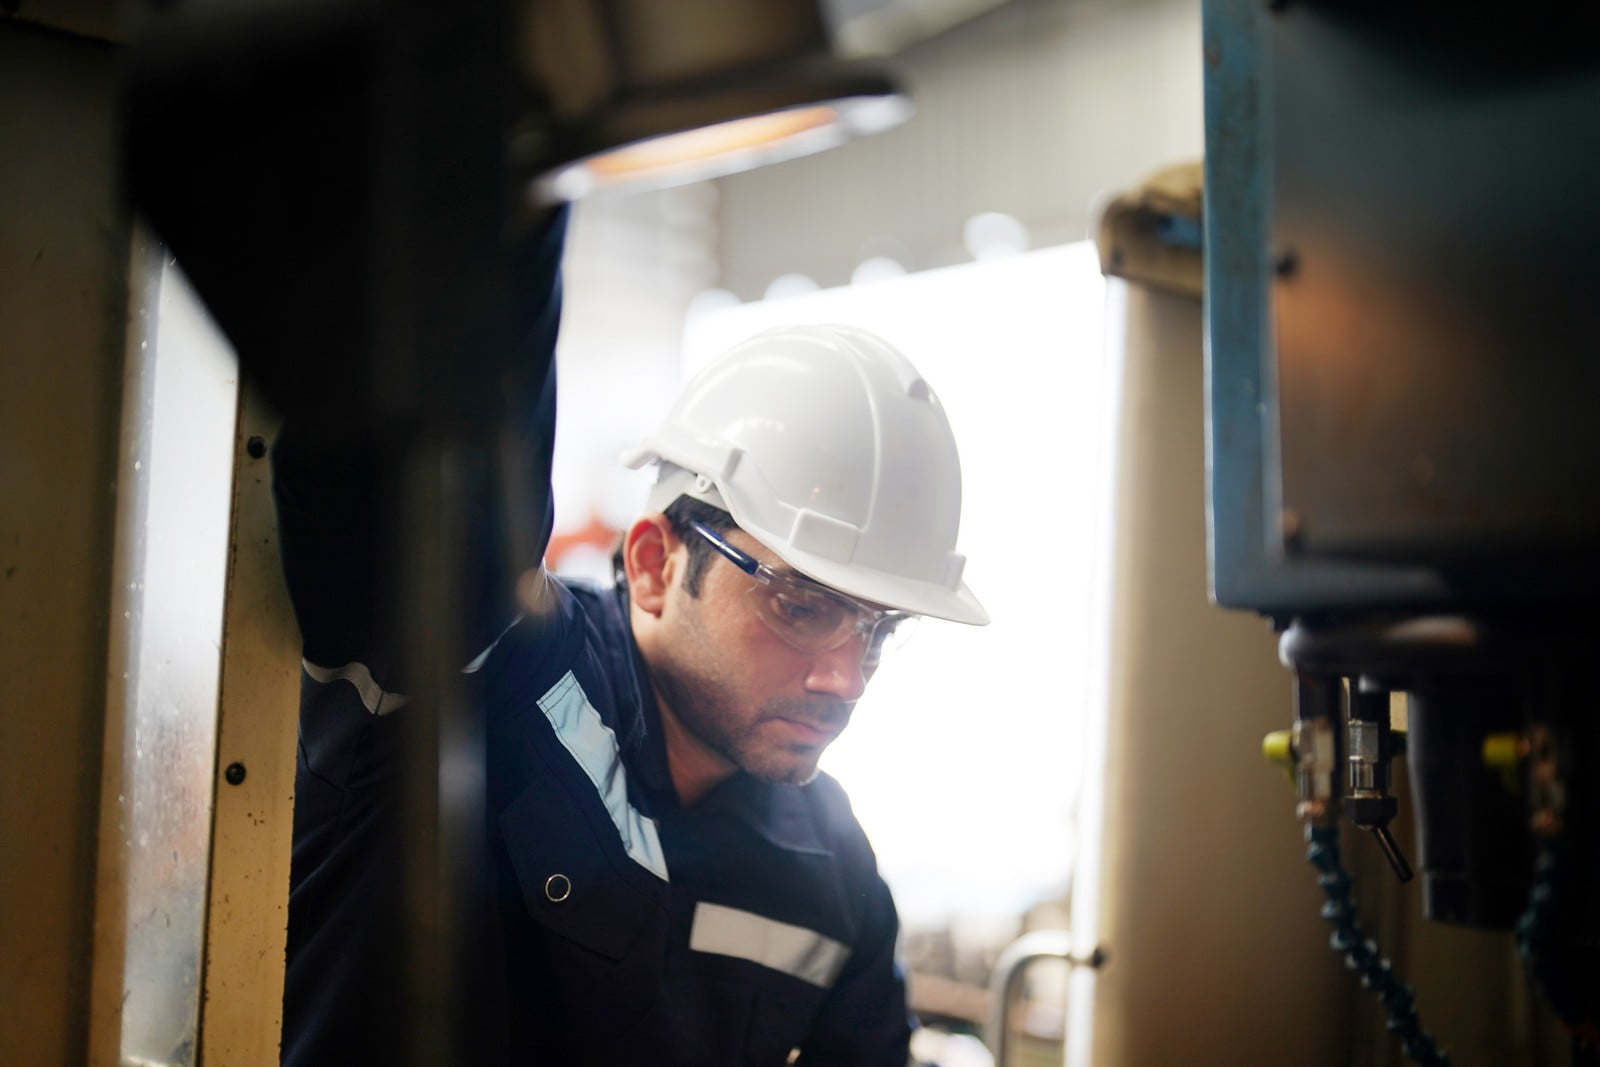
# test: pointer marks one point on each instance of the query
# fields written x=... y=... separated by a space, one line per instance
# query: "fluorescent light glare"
x=724 y=148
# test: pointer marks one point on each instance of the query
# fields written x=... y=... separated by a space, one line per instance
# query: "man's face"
x=739 y=689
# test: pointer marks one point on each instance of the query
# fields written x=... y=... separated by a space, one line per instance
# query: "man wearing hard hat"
x=677 y=884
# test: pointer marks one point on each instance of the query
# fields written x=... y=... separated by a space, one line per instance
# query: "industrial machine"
x=1404 y=471
x=1403 y=458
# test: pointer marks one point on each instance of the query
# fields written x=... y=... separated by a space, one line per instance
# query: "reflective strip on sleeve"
x=794 y=950
x=373 y=696
x=483 y=657
x=593 y=744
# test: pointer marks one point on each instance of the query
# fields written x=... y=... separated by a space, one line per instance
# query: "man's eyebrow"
x=805 y=582
x=809 y=584
x=783 y=571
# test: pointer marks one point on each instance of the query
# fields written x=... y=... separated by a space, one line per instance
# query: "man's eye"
x=791 y=608
x=804 y=610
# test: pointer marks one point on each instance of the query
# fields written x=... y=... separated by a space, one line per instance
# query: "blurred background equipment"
x=1404 y=459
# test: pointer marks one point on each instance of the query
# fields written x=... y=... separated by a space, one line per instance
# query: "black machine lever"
x=1392 y=853
x=1369 y=747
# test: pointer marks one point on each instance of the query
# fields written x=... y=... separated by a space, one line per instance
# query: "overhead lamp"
x=724 y=148
x=340 y=175
x=647 y=95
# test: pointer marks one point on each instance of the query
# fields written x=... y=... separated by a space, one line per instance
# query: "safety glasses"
x=808 y=616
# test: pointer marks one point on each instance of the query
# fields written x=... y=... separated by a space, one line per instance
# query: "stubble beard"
x=698 y=700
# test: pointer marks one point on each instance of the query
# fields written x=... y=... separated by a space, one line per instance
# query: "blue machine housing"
x=1401 y=337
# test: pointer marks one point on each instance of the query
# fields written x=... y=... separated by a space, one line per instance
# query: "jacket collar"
x=778 y=812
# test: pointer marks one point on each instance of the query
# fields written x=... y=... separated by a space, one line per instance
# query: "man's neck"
x=696 y=769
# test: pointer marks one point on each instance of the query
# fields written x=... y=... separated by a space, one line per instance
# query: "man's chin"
x=806 y=778
x=783 y=771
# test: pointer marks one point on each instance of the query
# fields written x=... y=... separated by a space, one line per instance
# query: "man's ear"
x=650 y=562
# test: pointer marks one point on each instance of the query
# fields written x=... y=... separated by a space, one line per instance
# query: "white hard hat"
x=827 y=446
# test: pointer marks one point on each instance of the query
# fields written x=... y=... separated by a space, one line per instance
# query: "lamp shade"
x=645 y=95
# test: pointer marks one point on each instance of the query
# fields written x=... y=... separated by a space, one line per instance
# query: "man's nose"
x=842 y=671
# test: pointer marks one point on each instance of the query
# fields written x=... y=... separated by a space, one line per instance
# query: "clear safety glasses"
x=808 y=616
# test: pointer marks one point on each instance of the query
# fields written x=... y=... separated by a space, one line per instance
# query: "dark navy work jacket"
x=634 y=931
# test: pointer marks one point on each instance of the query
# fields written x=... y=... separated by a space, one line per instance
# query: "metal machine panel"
x=1248 y=568
x=64 y=248
x=1403 y=459
x=1435 y=258
x=1396 y=260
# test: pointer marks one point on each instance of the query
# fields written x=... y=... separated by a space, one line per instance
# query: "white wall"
x=1037 y=110
x=633 y=264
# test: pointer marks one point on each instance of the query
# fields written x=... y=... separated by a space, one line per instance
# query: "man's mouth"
x=806 y=732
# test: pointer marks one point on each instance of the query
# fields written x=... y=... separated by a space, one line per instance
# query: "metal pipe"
x=1006 y=979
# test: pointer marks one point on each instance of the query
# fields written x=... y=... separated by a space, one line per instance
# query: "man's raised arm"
x=338 y=486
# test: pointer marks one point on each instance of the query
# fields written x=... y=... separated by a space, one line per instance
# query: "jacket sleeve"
x=335 y=486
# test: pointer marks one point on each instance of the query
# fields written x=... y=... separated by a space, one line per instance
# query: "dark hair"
x=680 y=513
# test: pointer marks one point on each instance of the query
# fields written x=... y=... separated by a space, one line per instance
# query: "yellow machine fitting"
x=1503 y=753
x=1278 y=747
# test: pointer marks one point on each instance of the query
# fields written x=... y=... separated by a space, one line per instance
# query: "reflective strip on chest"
x=794 y=950
x=593 y=744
